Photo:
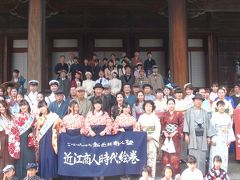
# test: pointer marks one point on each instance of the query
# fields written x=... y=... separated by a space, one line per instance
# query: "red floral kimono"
x=170 y=123
x=21 y=124
x=21 y=143
x=71 y=122
x=98 y=119
x=125 y=121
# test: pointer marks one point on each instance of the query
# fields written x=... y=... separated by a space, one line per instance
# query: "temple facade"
x=195 y=41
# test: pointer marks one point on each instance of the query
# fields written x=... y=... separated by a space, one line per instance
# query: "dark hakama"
x=27 y=155
x=5 y=158
x=47 y=158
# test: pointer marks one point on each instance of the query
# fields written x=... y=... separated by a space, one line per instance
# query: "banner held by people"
x=122 y=154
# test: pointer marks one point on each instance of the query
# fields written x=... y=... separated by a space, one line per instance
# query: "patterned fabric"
x=152 y=157
x=125 y=120
x=100 y=118
x=5 y=124
x=14 y=135
x=71 y=121
x=224 y=135
x=170 y=123
x=150 y=124
x=214 y=173
x=32 y=178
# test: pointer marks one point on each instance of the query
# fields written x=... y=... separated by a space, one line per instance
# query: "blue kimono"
x=131 y=100
x=61 y=110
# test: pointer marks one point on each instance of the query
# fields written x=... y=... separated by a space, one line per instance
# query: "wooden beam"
x=36 y=38
x=178 y=41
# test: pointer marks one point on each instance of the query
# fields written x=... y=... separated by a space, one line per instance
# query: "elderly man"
x=84 y=104
x=98 y=92
x=198 y=131
x=107 y=93
x=59 y=106
x=155 y=79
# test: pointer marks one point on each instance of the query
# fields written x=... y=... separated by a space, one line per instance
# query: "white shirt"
x=180 y=105
x=50 y=98
x=188 y=174
x=31 y=98
x=213 y=96
x=115 y=85
x=160 y=105
x=88 y=85
x=188 y=100
x=104 y=81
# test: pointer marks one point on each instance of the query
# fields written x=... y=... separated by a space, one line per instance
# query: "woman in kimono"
x=73 y=123
x=172 y=129
x=149 y=123
x=222 y=97
x=22 y=140
x=117 y=108
x=48 y=124
x=125 y=121
x=137 y=109
x=224 y=135
x=5 y=123
x=97 y=121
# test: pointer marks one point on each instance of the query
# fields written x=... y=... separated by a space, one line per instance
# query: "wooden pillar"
x=1 y=59
x=6 y=59
x=178 y=41
x=36 y=40
x=210 y=59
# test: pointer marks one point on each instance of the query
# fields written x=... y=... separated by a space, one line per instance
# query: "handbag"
x=168 y=146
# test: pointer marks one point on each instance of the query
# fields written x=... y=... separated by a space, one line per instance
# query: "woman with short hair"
x=149 y=123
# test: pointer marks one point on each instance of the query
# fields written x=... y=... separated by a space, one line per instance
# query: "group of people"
x=191 y=128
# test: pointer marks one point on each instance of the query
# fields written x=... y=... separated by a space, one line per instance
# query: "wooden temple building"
x=198 y=40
